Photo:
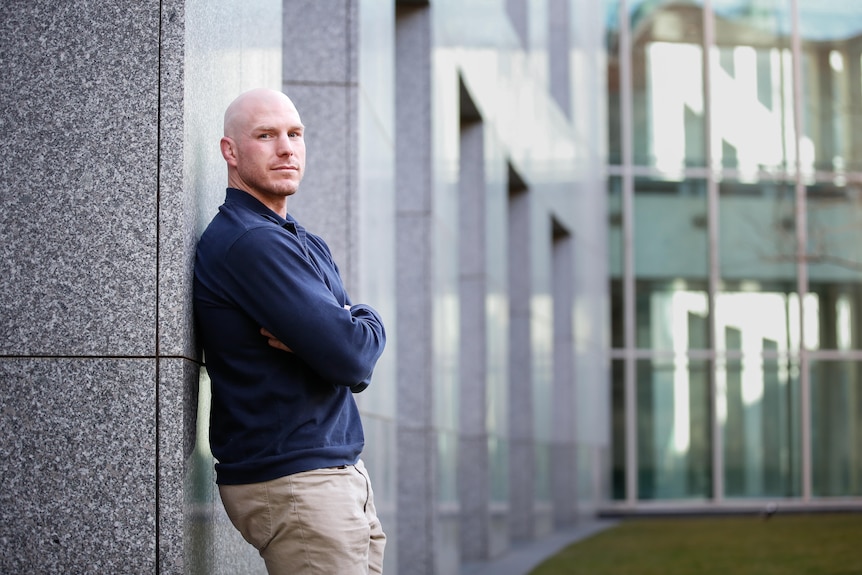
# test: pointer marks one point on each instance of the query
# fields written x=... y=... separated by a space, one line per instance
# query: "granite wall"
x=86 y=354
x=110 y=125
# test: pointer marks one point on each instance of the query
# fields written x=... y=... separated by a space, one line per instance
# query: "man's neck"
x=275 y=203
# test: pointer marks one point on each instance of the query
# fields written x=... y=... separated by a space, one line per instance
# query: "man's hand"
x=273 y=341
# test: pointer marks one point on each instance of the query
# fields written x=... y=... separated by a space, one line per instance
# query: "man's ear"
x=228 y=151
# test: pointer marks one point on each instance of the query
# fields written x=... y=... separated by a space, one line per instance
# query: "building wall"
x=95 y=347
x=735 y=274
x=455 y=168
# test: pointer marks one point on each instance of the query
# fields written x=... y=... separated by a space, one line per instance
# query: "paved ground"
x=522 y=559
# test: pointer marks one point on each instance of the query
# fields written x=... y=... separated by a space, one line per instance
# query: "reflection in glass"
x=667 y=85
x=498 y=464
x=835 y=316
x=836 y=428
x=612 y=45
x=199 y=487
x=757 y=232
x=762 y=320
x=832 y=85
x=759 y=418
x=777 y=304
x=758 y=295
x=671 y=264
x=672 y=315
x=615 y=256
x=542 y=472
x=674 y=444
x=447 y=464
x=618 y=430
x=751 y=79
x=834 y=255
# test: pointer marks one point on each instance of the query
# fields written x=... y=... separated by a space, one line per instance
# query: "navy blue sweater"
x=276 y=413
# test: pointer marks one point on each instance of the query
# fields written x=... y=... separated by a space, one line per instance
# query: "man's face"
x=267 y=149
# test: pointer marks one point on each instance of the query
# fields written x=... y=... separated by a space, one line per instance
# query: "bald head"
x=239 y=113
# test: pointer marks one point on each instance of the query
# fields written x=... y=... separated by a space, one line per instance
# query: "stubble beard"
x=271 y=186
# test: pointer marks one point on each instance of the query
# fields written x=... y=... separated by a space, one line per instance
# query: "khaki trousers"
x=320 y=522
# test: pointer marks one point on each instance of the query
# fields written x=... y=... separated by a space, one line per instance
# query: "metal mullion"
x=801 y=243
x=713 y=257
x=629 y=371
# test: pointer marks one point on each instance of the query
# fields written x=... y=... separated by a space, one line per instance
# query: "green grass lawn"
x=810 y=544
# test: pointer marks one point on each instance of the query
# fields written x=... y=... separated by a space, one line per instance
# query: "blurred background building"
x=734 y=165
x=615 y=244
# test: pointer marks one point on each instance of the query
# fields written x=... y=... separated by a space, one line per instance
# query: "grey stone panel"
x=320 y=41
x=178 y=204
x=177 y=419
x=78 y=224
x=474 y=496
x=413 y=109
x=319 y=68
x=564 y=483
x=415 y=363
x=325 y=202
x=78 y=461
x=416 y=501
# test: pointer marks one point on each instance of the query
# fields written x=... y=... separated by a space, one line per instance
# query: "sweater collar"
x=248 y=201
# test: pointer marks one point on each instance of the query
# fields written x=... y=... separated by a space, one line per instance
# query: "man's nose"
x=285 y=145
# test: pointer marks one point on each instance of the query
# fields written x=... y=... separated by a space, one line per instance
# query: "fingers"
x=273 y=341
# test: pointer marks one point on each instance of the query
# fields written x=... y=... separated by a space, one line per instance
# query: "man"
x=285 y=350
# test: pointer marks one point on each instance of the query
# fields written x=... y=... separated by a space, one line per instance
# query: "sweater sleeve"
x=273 y=278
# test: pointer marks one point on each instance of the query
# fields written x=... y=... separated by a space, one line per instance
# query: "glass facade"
x=735 y=249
